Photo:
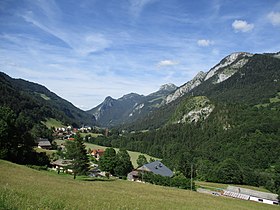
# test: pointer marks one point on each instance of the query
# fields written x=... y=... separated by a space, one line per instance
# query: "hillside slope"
x=39 y=103
x=52 y=191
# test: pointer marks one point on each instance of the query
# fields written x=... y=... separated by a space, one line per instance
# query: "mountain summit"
x=168 y=87
x=128 y=108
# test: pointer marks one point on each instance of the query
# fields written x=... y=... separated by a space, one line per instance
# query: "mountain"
x=221 y=72
x=244 y=78
x=181 y=91
x=114 y=111
x=159 y=103
x=130 y=107
x=38 y=103
x=224 y=125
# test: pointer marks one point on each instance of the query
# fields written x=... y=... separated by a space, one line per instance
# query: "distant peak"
x=129 y=96
x=109 y=98
x=168 y=86
x=234 y=55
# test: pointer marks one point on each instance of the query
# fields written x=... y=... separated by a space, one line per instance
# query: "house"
x=253 y=195
x=155 y=167
x=44 y=143
x=97 y=153
x=62 y=165
x=134 y=176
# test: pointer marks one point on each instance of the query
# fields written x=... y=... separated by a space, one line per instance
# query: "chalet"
x=155 y=167
x=62 y=165
x=133 y=176
x=44 y=143
x=252 y=195
x=97 y=153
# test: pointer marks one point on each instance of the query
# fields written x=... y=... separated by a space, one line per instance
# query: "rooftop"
x=258 y=194
x=157 y=168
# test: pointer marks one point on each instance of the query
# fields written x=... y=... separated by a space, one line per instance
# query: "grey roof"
x=254 y=193
x=157 y=168
x=44 y=143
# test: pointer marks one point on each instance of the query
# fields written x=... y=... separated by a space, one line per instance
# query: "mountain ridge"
x=222 y=71
x=39 y=102
x=112 y=112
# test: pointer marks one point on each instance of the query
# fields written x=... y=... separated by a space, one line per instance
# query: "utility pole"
x=191 y=174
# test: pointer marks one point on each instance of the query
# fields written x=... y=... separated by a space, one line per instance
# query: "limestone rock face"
x=197 y=80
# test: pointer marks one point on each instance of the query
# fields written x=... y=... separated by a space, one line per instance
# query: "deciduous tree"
x=141 y=160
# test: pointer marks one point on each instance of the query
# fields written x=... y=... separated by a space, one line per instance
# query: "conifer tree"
x=124 y=165
x=76 y=151
x=108 y=161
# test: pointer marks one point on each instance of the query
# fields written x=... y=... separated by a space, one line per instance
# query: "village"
x=144 y=172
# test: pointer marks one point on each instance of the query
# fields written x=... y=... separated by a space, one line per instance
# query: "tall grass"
x=25 y=188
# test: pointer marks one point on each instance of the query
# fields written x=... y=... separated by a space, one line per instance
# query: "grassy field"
x=54 y=123
x=26 y=188
x=133 y=155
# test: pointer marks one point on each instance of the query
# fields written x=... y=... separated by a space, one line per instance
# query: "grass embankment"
x=133 y=155
x=25 y=188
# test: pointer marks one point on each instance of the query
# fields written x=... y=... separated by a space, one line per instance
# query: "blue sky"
x=88 y=49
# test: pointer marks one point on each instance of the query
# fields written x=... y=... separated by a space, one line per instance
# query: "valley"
x=139 y=104
x=221 y=128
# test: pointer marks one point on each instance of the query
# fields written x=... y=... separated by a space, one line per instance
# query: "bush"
x=229 y=172
x=179 y=180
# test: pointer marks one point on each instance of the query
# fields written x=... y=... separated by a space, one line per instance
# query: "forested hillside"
x=38 y=103
x=254 y=83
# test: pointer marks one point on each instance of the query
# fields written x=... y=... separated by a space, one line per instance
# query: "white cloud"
x=167 y=63
x=242 y=25
x=274 y=18
x=83 y=42
x=204 y=42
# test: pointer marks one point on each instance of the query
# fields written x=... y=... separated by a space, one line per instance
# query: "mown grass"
x=92 y=134
x=25 y=188
x=50 y=122
x=47 y=151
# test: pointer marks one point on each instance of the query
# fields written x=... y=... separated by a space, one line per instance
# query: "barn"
x=253 y=195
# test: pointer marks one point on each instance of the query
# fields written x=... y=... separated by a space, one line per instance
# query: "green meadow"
x=50 y=122
x=25 y=188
